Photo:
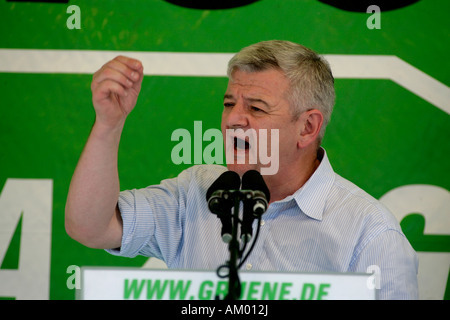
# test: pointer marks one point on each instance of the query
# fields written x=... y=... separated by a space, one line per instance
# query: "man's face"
x=255 y=101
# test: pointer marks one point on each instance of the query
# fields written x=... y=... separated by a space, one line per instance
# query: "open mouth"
x=240 y=144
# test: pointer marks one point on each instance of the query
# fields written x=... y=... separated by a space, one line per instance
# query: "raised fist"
x=115 y=89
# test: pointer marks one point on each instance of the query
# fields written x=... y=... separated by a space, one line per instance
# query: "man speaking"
x=316 y=220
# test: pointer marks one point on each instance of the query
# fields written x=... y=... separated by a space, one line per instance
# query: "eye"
x=228 y=104
x=253 y=108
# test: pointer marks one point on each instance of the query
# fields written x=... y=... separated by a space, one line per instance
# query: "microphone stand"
x=234 y=285
x=220 y=197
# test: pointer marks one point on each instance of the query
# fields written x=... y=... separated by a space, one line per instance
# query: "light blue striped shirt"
x=328 y=225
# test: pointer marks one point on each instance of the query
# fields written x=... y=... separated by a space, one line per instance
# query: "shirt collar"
x=312 y=196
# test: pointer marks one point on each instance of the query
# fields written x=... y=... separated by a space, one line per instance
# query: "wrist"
x=106 y=130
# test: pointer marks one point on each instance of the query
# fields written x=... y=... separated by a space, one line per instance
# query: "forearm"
x=91 y=215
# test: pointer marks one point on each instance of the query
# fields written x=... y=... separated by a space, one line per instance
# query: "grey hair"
x=309 y=74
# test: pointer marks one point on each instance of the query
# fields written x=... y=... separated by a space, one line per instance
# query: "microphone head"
x=220 y=203
x=229 y=180
x=253 y=180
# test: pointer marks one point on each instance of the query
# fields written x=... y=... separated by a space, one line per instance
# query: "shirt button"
x=262 y=222
x=248 y=266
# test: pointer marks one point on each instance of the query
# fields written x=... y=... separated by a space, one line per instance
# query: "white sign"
x=146 y=284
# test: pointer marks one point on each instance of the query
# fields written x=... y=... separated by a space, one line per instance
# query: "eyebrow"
x=230 y=96
x=258 y=100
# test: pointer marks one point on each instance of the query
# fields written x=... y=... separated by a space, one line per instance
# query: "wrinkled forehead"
x=266 y=82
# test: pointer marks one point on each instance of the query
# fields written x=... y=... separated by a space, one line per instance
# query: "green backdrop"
x=385 y=138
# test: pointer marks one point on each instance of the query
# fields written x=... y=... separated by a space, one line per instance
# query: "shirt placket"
x=257 y=259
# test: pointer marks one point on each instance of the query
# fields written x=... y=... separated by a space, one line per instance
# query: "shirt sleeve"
x=395 y=264
x=153 y=219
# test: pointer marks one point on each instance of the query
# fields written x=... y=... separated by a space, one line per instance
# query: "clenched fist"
x=115 y=89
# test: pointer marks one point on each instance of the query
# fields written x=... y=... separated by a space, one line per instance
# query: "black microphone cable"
x=256 y=201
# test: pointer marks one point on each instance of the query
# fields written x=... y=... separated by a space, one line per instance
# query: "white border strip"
x=87 y=62
x=395 y=69
x=215 y=64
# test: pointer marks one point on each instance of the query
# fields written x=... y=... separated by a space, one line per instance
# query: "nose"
x=235 y=116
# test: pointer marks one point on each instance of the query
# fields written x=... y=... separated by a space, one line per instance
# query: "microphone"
x=220 y=200
x=256 y=201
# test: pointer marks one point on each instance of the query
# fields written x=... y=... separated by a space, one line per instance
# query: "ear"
x=310 y=125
